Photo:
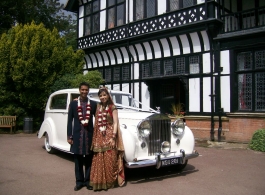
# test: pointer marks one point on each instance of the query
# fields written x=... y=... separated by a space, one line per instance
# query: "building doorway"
x=165 y=92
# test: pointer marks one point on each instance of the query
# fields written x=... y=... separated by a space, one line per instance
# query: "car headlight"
x=165 y=147
x=144 y=128
x=177 y=127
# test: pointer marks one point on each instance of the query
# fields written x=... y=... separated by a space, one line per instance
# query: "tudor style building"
x=208 y=55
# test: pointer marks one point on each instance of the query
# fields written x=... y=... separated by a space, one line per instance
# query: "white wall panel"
x=195 y=42
x=133 y=53
x=89 y=65
x=81 y=28
x=94 y=61
x=136 y=92
x=106 y=59
x=194 y=95
x=205 y=40
x=125 y=54
x=102 y=4
x=225 y=93
x=100 y=61
x=175 y=46
x=145 y=96
x=130 y=10
x=206 y=92
x=185 y=44
x=162 y=7
x=148 y=50
x=206 y=61
x=81 y=12
x=140 y=52
x=225 y=61
x=156 y=49
x=102 y=20
x=125 y=87
x=166 y=48
x=118 y=54
x=112 y=58
x=136 y=71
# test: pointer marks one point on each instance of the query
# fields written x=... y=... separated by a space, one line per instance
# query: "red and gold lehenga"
x=107 y=166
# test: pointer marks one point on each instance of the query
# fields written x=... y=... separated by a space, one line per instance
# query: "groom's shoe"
x=78 y=187
x=89 y=187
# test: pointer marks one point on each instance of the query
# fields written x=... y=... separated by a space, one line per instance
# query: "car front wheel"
x=48 y=148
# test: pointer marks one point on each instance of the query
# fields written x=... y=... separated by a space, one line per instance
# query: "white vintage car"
x=150 y=138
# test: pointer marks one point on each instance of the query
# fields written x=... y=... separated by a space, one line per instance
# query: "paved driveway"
x=27 y=169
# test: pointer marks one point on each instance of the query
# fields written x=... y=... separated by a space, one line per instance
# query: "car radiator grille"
x=161 y=131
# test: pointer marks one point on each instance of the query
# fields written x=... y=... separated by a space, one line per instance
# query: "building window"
x=146 y=70
x=180 y=66
x=145 y=9
x=178 y=4
x=91 y=18
x=126 y=73
x=168 y=67
x=194 y=65
x=115 y=13
x=251 y=80
x=108 y=75
x=116 y=74
x=156 y=70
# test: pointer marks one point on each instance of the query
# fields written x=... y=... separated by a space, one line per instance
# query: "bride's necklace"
x=102 y=118
x=84 y=121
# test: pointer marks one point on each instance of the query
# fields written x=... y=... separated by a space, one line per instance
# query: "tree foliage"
x=257 y=141
x=32 y=58
x=48 y=12
x=94 y=78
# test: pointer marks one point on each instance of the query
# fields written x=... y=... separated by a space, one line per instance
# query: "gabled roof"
x=72 y=6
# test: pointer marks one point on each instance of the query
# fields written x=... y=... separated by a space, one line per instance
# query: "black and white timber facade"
x=208 y=55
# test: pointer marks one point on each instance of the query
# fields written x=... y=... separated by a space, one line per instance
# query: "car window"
x=123 y=99
x=59 y=102
x=93 y=95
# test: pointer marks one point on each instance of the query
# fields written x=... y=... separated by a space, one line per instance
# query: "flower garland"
x=102 y=118
x=84 y=121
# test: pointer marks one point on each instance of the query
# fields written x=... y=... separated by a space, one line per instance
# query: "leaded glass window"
x=260 y=92
x=116 y=74
x=245 y=91
x=126 y=73
x=180 y=65
x=150 y=8
x=194 y=64
x=91 y=19
x=139 y=9
x=156 y=69
x=173 y=5
x=115 y=13
x=146 y=70
x=188 y=3
x=251 y=80
x=260 y=59
x=108 y=74
x=168 y=67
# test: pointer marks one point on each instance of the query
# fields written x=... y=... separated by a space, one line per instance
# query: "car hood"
x=133 y=114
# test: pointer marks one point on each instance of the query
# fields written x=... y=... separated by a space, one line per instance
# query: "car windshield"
x=123 y=99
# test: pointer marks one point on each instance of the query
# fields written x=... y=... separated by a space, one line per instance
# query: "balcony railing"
x=161 y=22
x=243 y=20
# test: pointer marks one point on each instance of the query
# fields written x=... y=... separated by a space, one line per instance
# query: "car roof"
x=91 y=90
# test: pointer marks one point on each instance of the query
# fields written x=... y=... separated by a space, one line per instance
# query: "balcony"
x=244 y=20
x=169 y=20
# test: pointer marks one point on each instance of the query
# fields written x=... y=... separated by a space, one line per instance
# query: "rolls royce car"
x=150 y=138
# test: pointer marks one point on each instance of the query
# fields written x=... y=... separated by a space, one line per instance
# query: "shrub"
x=258 y=140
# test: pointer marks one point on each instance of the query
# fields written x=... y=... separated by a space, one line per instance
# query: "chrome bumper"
x=159 y=157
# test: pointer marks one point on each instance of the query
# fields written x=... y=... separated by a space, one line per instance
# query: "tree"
x=48 y=12
x=32 y=58
x=94 y=78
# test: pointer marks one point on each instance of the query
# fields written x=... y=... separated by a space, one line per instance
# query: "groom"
x=80 y=133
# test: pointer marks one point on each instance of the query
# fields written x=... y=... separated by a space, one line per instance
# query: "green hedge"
x=258 y=140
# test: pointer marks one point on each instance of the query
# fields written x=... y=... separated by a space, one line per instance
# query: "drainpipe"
x=212 y=95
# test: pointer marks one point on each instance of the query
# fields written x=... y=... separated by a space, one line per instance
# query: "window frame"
x=115 y=6
x=144 y=10
x=253 y=71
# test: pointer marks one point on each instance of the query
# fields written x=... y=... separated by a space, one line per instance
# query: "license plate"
x=167 y=162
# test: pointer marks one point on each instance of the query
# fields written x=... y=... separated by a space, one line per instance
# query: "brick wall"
x=236 y=127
